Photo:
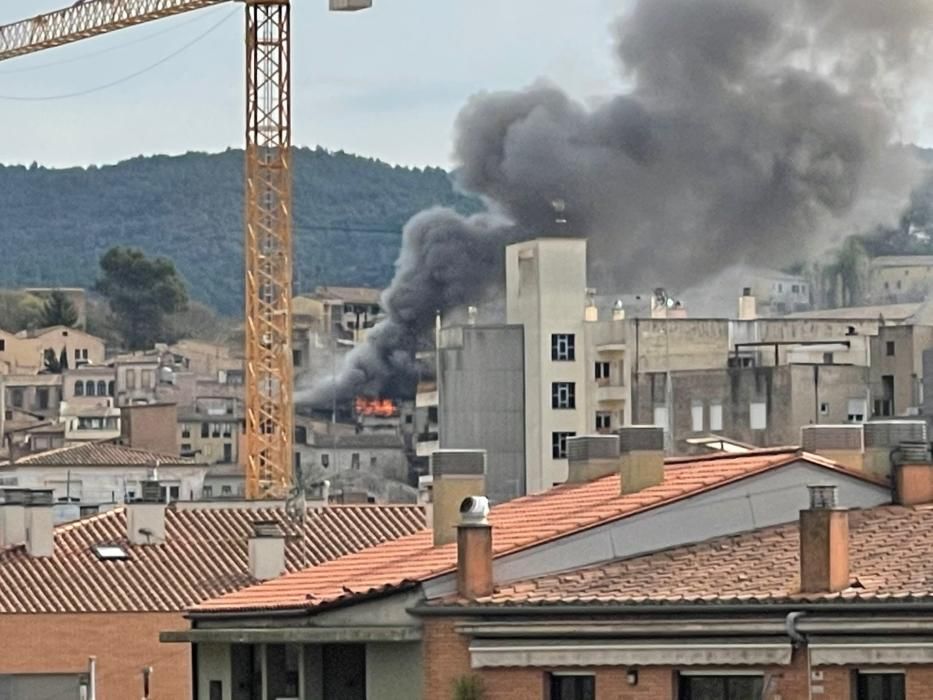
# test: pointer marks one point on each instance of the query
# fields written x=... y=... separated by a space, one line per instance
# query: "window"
x=226 y=490
x=131 y=379
x=824 y=408
x=660 y=417
x=758 y=415
x=898 y=284
x=559 y=445
x=216 y=690
x=77 y=354
x=79 y=388
x=296 y=358
x=16 y=398
x=146 y=379
x=228 y=452
x=879 y=686
x=373 y=462
x=185 y=448
x=889 y=348
x=301 y=435
x=795 y=288
x=563 y=395
x=84 y=353
x=696 y=416
x=562 y=347
x=205 y=430
x=101 y=388
x=185 y=430
x=215 y=430
x=603 y=421
x=42 y=398
x=602 y=370
x=110 y=388
x=737 y=687
x=168 y=494
x=432 y=414
x=567 y=687
x=207 y=491
x=856 y=410
x=325 y=461
x=109 y=552
x=827 y=358
x=89 y=388
x=2 y=344
x=355 y=460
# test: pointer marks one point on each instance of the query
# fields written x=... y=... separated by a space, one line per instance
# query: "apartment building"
x=106 y=585
x=896 y=279
x=311 y=631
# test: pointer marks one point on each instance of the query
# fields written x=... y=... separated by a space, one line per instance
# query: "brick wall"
x=122 y=642
x=447 y=658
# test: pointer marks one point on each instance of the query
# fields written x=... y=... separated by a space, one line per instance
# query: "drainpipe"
x=799 y=641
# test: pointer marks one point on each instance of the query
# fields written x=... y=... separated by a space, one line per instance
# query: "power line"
x=85 y=56
x=351 y=229
x=127 y=78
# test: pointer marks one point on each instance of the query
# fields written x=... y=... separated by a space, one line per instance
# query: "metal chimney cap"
x=823 y=496
x=267 y=528
x=474 y=510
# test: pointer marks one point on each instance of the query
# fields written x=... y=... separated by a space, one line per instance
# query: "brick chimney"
x=913 y=474
x=40 y=523
x=824 y=543
x=591 y=457
x=13 y=517
x=641 y=457
x=266 y=550
x=456 y=475
x=145 y=517
x=474 y=549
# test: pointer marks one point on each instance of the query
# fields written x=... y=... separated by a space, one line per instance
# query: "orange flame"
x=382 y=408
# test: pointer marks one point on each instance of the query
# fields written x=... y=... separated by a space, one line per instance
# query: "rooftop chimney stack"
x=456 y=475
x=266 y=550
x=641 y=457
x=591 y=457
x=618 y=311
x=13 y=517
x=748 y=305
x=474 y=549
x=824 y=543
x=591 y=311
x=913 y=474
x=40 y=523
x=145 y=517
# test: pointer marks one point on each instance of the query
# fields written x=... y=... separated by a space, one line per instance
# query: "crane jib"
x=86 y=19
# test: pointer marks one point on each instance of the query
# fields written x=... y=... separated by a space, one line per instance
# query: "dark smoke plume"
x=752 y=132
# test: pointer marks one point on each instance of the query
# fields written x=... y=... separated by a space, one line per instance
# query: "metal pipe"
x=800 y=642
x=92 y=678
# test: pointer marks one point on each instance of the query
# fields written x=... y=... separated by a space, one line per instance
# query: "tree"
x=51 y=361
x=19 y=311
x=58 y=311
x=141 y=291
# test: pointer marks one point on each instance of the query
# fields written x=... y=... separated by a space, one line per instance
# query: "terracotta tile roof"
x=100 y=454
x=890 y=559
x=204 y=555
x=517 y=524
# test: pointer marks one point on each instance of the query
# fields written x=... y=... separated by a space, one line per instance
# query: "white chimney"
x=145 y=517
x=748 y=305
x=591 y=311
x=618 y=311
x=266 y=550
x=40 y=527
x=13 y=517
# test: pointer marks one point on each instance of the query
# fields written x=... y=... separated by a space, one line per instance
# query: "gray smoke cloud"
x=750 y=132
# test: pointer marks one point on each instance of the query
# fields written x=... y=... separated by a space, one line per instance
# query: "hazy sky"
x=386 y=83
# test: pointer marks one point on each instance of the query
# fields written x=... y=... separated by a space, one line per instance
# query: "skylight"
x=108 y=552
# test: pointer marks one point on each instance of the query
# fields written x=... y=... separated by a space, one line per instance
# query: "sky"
x=385 y=83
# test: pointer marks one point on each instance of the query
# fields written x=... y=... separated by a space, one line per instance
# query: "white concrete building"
x=546 y=294
x=96 y=473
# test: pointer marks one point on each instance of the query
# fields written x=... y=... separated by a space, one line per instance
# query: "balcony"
x=611 y=393
x=428 y=444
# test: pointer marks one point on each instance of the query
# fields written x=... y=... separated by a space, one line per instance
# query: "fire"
x=383 y=408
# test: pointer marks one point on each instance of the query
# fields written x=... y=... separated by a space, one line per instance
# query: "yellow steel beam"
x=87 y=18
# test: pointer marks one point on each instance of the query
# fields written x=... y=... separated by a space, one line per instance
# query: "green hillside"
x=349 y=211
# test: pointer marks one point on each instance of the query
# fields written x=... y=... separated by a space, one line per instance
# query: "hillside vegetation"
x=56 y=224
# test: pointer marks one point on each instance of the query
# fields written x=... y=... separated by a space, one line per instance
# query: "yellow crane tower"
x=268 y=200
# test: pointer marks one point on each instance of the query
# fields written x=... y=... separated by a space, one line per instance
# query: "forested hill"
x=55 y=224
